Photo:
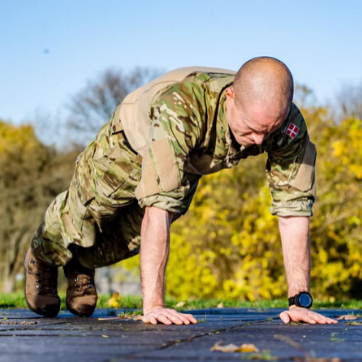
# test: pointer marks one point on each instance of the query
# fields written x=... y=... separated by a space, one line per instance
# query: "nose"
x=258 y=138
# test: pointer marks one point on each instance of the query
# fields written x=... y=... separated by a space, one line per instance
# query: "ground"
x=24 y=336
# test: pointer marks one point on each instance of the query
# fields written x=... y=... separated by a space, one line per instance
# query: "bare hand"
x=167 y=316
x=297 y=314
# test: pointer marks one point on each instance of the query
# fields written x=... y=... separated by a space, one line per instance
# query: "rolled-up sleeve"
x=291 y=168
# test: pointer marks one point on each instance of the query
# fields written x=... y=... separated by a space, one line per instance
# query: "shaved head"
x=259 y=100
x=264 y=80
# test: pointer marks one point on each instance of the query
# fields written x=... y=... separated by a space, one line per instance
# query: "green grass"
x=17 y=300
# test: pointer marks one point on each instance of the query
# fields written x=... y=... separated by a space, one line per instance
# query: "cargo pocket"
x=78 y=225
x=117 y=170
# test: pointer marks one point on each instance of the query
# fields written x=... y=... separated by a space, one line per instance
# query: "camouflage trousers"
x=98 y=219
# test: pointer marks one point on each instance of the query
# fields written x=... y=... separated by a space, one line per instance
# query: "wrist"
x=150 y=308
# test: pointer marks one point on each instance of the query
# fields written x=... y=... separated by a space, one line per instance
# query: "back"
x=135 y=108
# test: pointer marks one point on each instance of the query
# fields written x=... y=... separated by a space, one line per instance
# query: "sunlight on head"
x=259 y=100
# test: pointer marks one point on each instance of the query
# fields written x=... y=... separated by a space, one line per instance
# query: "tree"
x=349 y=102
x=304 y=96
x=91 y=107
x=336 y=226
x=227 y=245
x=31 y=175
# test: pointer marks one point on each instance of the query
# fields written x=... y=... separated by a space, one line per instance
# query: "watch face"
x=305 y=300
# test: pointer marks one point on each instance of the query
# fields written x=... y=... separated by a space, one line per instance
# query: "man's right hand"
x=167 y=316
x=155 y=246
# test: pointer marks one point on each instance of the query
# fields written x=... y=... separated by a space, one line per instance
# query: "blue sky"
x=49 y=49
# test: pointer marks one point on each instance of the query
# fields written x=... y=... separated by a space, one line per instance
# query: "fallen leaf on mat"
x=104 y=336
x=28 y=323
x=113 y=318
x=347 y=317
x=245 y=348
x=108 y=318
x=315 y=359
x=8 y=323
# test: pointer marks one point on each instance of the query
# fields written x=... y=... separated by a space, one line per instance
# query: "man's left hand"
x=297 y=314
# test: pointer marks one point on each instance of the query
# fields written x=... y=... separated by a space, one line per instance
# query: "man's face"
x=253 y=123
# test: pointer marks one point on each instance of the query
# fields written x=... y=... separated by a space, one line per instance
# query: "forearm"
x=155 y=241
x=296 y=250
x=294 y=233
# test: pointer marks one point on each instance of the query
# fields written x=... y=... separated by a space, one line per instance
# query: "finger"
x=301 y=316
x=284 y=316
x=164 y=319
x=324 y=320
x=185 y=318
x=149 y=320
x=191 y=318
x=328 y=320
x=305 y=318
x=318 y=318
x=176 y=318
x=332 y=321
x=153 y=320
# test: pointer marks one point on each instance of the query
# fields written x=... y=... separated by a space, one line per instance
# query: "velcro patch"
x=159 y=170
x=148 y=185
x=165 y=163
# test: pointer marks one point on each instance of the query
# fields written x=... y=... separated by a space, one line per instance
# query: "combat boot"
x=41 y=286
x=81 y=293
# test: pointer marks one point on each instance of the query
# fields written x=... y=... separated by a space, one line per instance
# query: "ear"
x=230 y=92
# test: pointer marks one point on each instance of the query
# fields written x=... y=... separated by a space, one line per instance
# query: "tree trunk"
x=8 y=280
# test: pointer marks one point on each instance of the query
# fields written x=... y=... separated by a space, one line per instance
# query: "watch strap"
x=292 y=300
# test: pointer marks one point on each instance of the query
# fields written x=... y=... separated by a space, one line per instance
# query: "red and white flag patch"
x=292 y=130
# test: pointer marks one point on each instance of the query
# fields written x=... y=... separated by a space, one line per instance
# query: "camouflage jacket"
x=182 y=134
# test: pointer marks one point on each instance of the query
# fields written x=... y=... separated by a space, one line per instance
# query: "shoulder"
x=196 y=90
x=292 y=135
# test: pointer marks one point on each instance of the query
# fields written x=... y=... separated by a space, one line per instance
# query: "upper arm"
x=177 y=123
x=291 y=169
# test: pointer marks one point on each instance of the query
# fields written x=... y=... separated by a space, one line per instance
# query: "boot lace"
x=84 y=281
x=46 y=282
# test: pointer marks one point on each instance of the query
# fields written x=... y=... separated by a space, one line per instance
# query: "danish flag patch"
x=292 y=130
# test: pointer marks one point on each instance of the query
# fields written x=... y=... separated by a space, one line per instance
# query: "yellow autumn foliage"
x=228 y=244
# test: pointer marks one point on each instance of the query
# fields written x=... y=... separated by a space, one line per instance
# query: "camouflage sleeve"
x=291 y=168
x=177 y=123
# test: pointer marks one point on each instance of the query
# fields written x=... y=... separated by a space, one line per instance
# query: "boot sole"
x=80 y=314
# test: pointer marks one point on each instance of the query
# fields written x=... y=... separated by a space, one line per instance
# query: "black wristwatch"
x=303 y=299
